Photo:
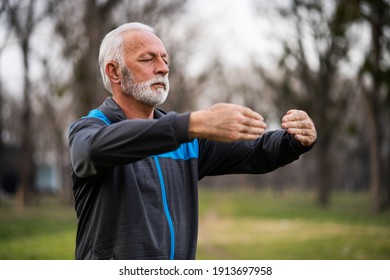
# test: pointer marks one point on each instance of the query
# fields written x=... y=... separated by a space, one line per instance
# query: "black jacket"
x=135 y=182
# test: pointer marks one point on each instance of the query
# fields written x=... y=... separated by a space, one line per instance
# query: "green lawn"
x=261 y=225
x=233 y=225
x=44 y=231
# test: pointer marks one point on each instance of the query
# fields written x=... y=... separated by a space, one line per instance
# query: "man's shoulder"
x=84 y=122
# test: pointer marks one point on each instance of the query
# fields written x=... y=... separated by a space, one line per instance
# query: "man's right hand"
x=227 y=123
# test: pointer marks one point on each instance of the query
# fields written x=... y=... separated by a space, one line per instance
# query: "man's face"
x=145 y=73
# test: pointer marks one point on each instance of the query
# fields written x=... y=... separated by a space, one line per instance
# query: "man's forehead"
x=142 y=40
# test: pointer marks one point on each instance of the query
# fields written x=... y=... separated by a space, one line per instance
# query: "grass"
x=261 y=225
x=43 y=231
x=233 y=225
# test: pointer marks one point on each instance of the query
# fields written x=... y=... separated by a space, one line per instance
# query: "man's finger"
x=251 y=114
x=297 y=124
x=254 y=123
x=304 y=140
x=252 y=130
x=303 y=132
x=294 y=115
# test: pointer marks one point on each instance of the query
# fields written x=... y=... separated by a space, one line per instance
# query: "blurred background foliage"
x=330 y=58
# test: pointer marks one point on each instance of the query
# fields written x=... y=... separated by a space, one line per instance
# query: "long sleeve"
x=274 y=149
x=96 y=147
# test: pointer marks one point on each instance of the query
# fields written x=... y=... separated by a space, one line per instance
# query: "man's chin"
x=150 y=97
x=153 y=103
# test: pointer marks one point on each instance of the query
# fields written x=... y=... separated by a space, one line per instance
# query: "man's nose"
x=161 y=67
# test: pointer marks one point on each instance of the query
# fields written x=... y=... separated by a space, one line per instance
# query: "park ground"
x=244 y=224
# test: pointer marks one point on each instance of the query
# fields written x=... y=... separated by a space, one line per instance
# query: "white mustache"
x=158 y=79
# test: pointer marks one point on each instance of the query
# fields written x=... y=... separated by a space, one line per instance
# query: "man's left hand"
x=299 y=124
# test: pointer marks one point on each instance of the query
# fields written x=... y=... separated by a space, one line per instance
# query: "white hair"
x=111 y=48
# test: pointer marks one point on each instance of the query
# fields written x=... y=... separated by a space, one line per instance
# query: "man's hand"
x=299 y=124
x=226 y=122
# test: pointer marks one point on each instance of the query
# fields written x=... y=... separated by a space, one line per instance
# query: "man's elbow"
x=82 y=163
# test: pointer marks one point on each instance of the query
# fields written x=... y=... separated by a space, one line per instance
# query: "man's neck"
x=132 y=108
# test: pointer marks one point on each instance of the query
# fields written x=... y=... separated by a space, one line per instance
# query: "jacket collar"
x=115 y=114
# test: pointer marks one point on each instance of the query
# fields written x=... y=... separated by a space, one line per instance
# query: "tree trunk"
x=26 y=155
x=325 y=174
x=90 y=91
x=372 y=96
x=375 y=181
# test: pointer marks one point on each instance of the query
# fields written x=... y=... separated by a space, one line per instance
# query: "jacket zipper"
x=166 y=208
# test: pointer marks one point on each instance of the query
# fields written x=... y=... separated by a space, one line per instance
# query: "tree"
x=82 y=25
x=2 y=12
x=311 y=79
x=23 y=17
x=374 y=82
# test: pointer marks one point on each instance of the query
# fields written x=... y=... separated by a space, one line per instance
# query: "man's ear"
x=113 y=72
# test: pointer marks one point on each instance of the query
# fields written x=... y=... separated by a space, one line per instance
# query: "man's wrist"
x=181 y=125
x=193 y=125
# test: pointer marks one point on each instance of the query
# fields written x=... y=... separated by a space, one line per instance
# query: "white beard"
x=142 y=91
